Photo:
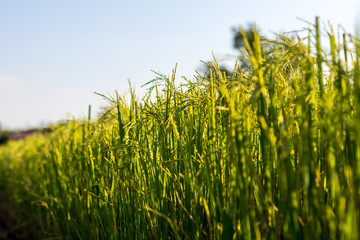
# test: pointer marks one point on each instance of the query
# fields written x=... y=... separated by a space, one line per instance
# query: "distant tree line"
x=7 y=135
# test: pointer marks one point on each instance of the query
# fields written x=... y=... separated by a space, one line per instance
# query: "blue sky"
x=55 y=54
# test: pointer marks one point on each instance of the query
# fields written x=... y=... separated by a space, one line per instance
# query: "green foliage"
x=273 y=155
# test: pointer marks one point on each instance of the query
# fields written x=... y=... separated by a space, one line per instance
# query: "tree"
x=239 y=44
x=239 y=41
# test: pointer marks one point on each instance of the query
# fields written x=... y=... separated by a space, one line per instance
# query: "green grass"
x=272 y=152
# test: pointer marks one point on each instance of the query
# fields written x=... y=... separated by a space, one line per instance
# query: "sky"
x=55 y=54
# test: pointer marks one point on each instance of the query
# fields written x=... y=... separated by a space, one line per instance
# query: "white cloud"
x=23 y=105
x=12 y=85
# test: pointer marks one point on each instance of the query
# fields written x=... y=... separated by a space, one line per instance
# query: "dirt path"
x=8 y=219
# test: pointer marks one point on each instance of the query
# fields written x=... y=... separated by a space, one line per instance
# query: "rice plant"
x=271 y=152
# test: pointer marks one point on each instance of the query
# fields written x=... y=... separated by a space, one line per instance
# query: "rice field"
x=270 y=152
